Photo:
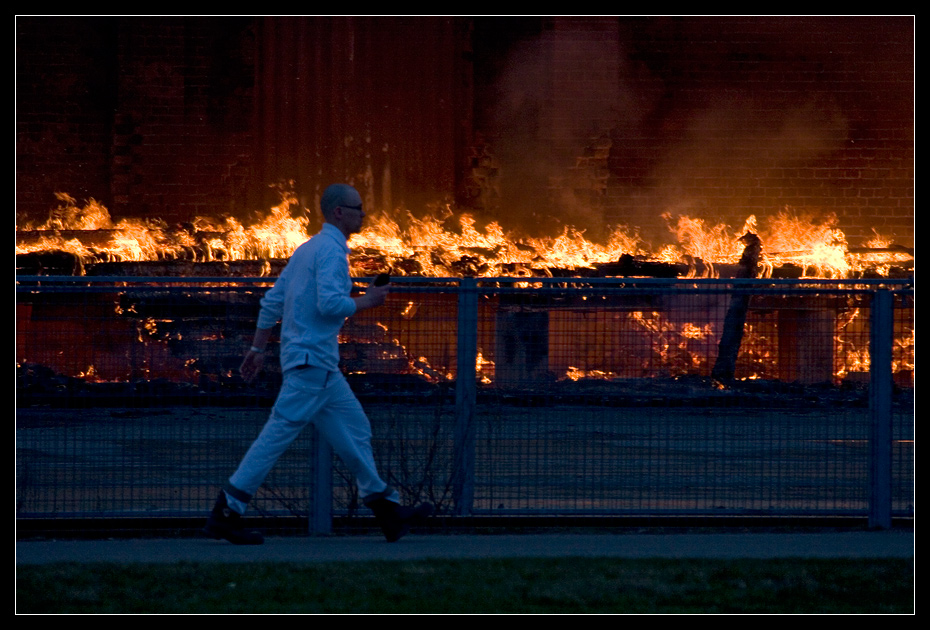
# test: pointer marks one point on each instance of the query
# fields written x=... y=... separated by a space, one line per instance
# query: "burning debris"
x=77 y=240
x=532 y=341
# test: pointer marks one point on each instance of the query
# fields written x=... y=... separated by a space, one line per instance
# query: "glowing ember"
x=576 y=374
x=484 y=369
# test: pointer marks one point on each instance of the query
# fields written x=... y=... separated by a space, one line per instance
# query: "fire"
x=90 y=233
x=435 y=248
x=125 y=240
x=576 y=374
x=443 y=244
x=699 y=240
x=484 y=368
x=678 y=348
x=819 y=247
x=853 y=352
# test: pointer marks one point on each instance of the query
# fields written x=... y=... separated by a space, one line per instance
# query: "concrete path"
x=856 y=544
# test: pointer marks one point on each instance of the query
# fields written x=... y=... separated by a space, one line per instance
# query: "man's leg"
x=344 y=424
x=300 y=397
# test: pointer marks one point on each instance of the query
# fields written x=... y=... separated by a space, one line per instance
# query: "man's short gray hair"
x=337 y=195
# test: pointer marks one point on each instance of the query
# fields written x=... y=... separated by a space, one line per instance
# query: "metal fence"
x=489 y=397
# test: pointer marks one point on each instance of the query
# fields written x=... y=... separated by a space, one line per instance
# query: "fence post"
x=321 y=485
x=463 y=468
x=880 y=394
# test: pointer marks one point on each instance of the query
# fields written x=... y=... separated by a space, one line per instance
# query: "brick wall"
x=182 y=141
x=150 y=116
x=588 y=121
x=382 y=103
x=65 y=89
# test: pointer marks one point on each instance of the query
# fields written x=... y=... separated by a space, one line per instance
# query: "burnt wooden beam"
x=735 y=320
x=49 y=263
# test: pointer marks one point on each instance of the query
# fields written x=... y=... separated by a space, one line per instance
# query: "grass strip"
x=498 y=586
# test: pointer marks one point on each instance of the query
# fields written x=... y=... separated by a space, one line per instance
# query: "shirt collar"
x=336 y=234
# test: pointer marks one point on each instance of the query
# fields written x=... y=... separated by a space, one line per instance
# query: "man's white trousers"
x=325 y=399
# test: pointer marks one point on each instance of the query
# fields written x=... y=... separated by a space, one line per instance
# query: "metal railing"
x=488 y=396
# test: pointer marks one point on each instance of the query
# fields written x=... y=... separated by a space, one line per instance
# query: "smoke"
x=743 y=150
x=636 y=142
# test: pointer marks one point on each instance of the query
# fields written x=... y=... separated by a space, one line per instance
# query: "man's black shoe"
x=395 y=520
x=225 y=523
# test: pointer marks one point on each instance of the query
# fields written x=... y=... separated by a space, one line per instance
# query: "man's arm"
x=272 y=308
x=332 y=281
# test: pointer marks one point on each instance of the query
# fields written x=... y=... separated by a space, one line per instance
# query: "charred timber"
x=186 y=268
x=628 y=265
x=732 y=336
x=49 y=263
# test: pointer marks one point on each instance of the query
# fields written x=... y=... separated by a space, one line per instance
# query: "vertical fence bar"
x=463 y=480
x=880 y=393
x=321 y=485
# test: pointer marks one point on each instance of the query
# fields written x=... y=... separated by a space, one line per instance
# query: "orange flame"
x=437 y=242
x=432 y=245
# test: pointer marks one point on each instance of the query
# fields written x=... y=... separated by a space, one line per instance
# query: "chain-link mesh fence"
x=510 y=397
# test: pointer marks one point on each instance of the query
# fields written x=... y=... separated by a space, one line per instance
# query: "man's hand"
x=378 y=294
x=251 y=365
x=253 y=361
x=374 y=296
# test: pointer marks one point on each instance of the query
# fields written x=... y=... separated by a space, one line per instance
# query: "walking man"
x=312 y=299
